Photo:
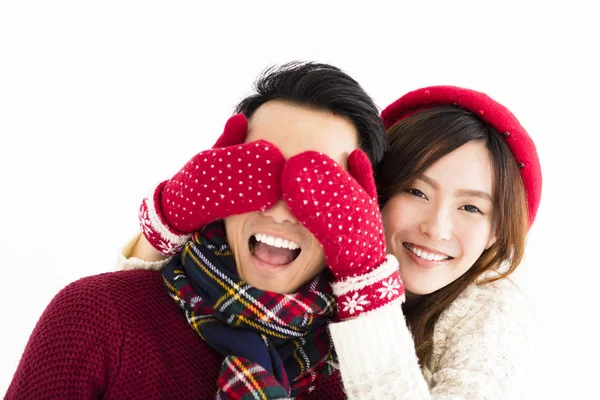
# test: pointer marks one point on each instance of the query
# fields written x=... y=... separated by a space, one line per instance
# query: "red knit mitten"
x=215 y=183
x=340 y=208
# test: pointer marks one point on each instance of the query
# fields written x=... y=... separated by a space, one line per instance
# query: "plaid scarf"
x=276 y=346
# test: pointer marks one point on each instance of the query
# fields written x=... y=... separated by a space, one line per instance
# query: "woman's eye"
x=471 y=208
x=417 y=192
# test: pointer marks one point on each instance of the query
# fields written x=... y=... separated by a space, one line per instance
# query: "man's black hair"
x=322 y=87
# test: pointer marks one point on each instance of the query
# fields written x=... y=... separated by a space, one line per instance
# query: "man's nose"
x=280 y=213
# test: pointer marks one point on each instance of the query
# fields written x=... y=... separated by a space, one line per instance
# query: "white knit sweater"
x=481 y=346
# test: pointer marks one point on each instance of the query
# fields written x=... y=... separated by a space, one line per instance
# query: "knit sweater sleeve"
x=377 y=356
x=126 y=262
x=480 y=344
x=74 y=348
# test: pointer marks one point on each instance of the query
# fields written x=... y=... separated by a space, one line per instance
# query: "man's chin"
x=264 y=276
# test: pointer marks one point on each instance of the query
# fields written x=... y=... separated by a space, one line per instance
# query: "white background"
x=101 y=100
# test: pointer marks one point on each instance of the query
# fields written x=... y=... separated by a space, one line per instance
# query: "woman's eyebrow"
x=431 y=182
x=459 y=192
x=474 y=193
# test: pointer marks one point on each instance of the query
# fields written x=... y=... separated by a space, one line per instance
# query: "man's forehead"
x=295 y=129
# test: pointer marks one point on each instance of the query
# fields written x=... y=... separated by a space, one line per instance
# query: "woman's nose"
x=437 y=225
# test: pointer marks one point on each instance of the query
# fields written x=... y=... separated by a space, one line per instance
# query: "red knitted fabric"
x=501 y=118
x=214 y=184
x=120 y=336
x=340 y=208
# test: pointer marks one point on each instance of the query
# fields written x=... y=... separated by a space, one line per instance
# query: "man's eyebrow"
x=460 y=192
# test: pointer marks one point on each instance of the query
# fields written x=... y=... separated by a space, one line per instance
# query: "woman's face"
x=440 y=226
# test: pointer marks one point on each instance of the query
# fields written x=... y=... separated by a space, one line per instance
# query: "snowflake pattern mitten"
x=340 y=208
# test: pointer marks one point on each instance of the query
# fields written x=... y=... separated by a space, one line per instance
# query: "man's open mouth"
x=273 y=250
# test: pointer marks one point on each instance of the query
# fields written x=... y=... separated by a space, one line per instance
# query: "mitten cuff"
x=361 y=294
x=154 y=227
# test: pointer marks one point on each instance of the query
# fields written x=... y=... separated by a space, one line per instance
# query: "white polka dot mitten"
x=340 y=208
x=231 y=178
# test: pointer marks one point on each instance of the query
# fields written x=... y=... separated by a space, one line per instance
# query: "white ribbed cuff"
x=125 y=262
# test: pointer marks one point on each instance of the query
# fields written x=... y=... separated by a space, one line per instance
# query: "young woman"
x=459 y=189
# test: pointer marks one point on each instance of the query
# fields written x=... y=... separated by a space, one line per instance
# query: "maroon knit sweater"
x=120 y=336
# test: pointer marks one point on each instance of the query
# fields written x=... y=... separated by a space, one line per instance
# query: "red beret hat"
x=491 y=112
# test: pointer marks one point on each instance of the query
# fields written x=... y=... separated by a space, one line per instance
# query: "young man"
x=243 y=306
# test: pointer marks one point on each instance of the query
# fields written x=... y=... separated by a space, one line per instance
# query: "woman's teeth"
x=425 y=255
x=276 y=241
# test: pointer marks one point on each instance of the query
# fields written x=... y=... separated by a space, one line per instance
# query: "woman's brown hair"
x=417 y=142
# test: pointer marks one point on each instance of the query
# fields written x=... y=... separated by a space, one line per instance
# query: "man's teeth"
x=427 y=256
x=276 y=242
